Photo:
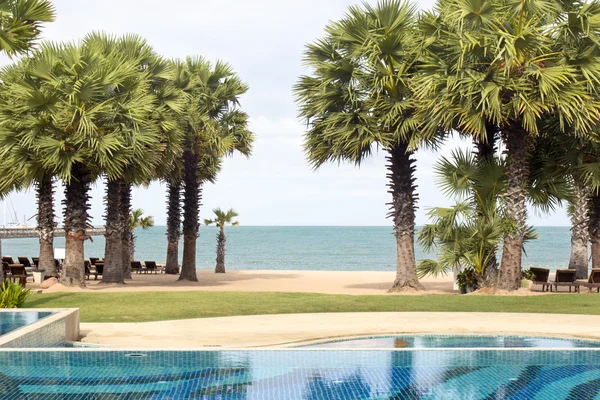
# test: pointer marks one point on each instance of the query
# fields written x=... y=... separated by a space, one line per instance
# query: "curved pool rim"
x=313 y=343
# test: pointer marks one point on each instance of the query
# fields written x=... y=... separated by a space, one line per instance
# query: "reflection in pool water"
x=302 y=375
x=453 y=341
x=12 y=320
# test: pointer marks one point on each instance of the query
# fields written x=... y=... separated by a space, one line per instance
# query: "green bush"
x=12 y=294
x=527 y=274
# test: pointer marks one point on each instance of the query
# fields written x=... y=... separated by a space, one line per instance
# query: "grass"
x=160 y=306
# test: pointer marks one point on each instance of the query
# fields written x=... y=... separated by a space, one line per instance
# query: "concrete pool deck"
x=289 y=329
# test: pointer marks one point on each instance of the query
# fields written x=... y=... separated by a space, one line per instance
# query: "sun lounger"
x=136 y=266
x=24 y=261
x=593 y=281
x=151 y=266
x=541 y=277
x=89 y=270
x=8 y=260
x=36 y=261
x=565 y=277
x=18 y=271
x=6 y=270
x=93 y=260
x=99 y=268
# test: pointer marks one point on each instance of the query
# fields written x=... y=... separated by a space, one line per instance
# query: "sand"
x=258 y=331
x=327 y=282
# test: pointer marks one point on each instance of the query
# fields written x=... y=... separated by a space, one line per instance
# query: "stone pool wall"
x=52 y=331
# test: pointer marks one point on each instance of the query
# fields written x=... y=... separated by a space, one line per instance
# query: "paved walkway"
x=288 y=329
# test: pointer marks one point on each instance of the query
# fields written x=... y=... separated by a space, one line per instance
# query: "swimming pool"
x=453 y=341
x=301 y=374
x=10 y=321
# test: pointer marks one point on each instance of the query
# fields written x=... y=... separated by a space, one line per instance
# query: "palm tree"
x=173 y=226
x=76 y=101
x=137 y=220
x=20 y=27
x=213 y=127
x=21 y=23
x=477 y=72
x=359 y=97
x=222 y=218
x=469 y=233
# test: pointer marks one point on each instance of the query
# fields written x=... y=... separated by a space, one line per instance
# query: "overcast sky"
x=264 y=41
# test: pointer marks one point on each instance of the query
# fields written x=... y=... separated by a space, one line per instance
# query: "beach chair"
x=541 y=277
x=593 y=282
x=36 y=261
x=93 y=260
x=151 y=266
x=89 y=271
x=136 y=266
x=99 y=268
x=24 y=261
x=17 y=271
x=8 y=260
x=565 y=277
x=58 y=265
x=6 y=270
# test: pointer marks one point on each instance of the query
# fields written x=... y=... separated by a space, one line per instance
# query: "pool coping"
x=70 y=315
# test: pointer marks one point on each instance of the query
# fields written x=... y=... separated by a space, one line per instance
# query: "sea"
x=314 y=248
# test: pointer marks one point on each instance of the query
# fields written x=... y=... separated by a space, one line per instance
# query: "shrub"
x=12 y=294
x=467 y=278
x=527 y=274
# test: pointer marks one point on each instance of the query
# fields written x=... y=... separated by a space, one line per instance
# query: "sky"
x=263 y=40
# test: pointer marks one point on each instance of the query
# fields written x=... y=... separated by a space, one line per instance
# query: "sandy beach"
x=327 y=282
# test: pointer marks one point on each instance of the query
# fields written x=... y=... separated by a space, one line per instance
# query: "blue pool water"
x=302 y=375
x=10 y=321
x=454 y=341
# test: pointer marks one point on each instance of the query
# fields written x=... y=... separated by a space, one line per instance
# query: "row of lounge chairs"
x=95 y=267
x=565 y=278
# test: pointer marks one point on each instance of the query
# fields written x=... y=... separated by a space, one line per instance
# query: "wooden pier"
x=32 y=232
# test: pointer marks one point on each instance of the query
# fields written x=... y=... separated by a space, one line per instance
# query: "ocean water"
x=299 y=247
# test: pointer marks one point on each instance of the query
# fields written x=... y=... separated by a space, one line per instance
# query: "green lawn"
x=157 y=306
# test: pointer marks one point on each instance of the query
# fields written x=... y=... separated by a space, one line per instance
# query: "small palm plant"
x=221 y=219
x=138 y=220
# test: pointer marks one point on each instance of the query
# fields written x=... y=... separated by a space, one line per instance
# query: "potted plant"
x=467 y=280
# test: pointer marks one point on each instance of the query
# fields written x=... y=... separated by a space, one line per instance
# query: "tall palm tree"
x=222 y=218
x=477 y=71
x=20 y=27
x=213 y=127
x=138 y=220
x=358 y=97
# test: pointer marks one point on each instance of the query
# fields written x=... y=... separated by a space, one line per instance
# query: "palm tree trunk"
x=579 y=233
x=402 y=211
x=45 y=219
x=518 y=143
x=486 y=149
x=173 y=227
x=594 y=227
x=113 y=262
x=132 y=247
x=125 y=212
x=75 y=222
x=191 y=211
x=221 y=239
